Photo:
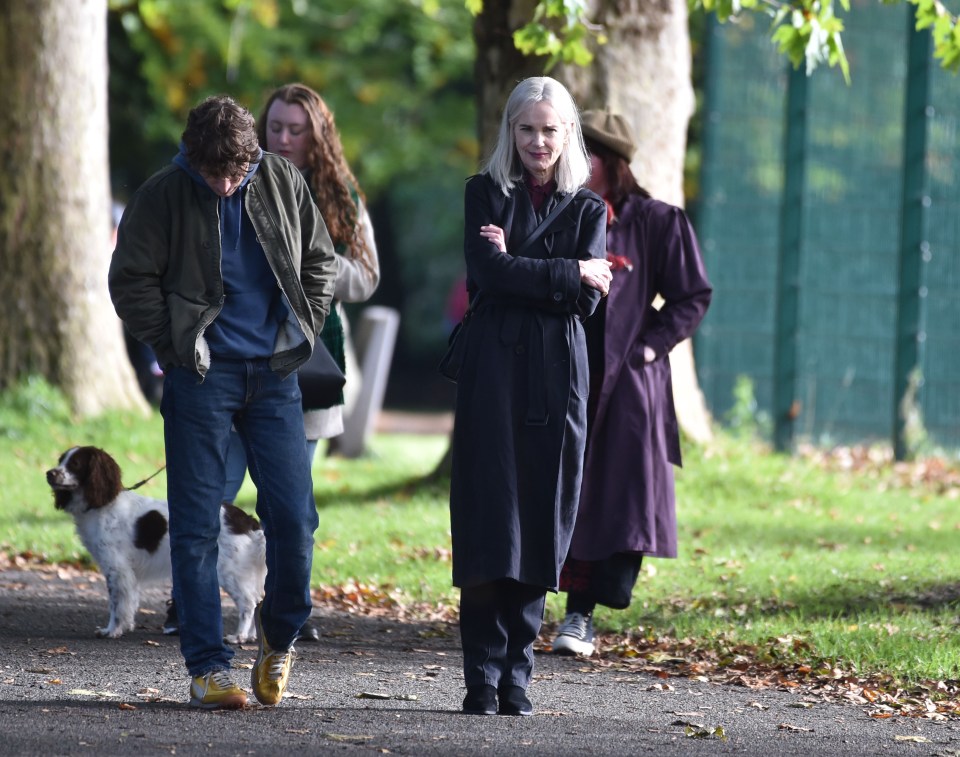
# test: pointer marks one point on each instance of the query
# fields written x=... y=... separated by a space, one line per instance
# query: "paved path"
x=376 y=686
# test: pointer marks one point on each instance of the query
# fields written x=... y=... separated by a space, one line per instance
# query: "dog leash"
x=137 y=486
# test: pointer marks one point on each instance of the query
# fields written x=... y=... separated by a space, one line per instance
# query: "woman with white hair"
x=535 y=256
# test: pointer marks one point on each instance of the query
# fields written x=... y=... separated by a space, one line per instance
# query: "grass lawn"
x=790 y=557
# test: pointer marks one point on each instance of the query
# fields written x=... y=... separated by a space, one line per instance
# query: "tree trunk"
x=499 y=65
x=643 y=73
x=56 y=318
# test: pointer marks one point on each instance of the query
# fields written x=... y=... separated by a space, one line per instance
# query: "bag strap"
x=534 y=236
x=538 y=232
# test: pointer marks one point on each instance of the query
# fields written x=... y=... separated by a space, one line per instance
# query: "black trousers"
x=607 y=582
x=499 y=621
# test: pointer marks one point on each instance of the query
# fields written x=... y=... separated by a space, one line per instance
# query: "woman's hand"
x=495 y=235
x=596 y=273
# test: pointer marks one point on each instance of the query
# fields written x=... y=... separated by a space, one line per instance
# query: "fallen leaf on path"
x=657 y=657
x=379 y=695
x=345 y=737
x=789 y=727
x=917 y=739
x=60 y=651
x=706 y=733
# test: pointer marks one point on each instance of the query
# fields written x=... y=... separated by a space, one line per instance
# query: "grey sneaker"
x=575 y=635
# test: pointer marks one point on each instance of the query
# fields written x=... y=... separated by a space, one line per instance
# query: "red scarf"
x=618 y=262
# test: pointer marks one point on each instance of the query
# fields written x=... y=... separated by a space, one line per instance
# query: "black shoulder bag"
x=452 y=360
x=321 y=380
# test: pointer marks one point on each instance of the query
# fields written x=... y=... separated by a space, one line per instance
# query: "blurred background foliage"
x=398 y=75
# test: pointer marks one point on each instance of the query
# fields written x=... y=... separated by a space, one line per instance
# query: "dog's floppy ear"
x=103 y=483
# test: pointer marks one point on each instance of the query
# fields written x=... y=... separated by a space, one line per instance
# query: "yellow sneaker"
x=271 y=673
x=216 y=691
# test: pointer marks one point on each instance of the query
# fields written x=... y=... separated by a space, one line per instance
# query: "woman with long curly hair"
x=297 y=124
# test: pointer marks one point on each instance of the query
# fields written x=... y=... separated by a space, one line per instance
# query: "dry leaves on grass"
x=931 y=473
x=383 y=602
x=28 y=560
x=762 y=668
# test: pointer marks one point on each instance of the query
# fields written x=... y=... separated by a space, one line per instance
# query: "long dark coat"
x=627 y=500
x=520 y=426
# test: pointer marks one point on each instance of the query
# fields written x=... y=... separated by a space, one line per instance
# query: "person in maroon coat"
x=627 y=507
x=521 y=414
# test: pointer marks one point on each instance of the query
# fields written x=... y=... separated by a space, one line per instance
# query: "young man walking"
x=224 y=267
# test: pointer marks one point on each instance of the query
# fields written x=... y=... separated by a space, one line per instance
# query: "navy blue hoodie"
x=253 y=307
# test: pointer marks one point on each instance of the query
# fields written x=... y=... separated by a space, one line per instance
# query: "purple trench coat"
x=627 y=496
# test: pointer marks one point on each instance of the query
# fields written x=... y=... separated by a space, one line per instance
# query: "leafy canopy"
x=396 y=73
x=559 y=30
x=809 y=33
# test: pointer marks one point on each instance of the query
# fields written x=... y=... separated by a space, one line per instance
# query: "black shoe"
x=171 y=626
x=513 y=701
x=480 y=700
x=309 y=632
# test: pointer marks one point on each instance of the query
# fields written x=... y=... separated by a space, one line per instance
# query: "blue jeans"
x=236 y=468
x=237 y=465
x=197 y=418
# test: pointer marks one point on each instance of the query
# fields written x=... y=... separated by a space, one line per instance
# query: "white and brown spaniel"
x=126 y=534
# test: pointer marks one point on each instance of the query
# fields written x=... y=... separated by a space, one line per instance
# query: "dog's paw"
x=234 y=639
x=109 y=633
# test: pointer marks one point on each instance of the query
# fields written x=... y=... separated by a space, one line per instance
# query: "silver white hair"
x=573 y=165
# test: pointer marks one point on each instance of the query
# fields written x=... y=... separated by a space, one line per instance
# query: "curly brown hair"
x=221 y=137
x=331 y=179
